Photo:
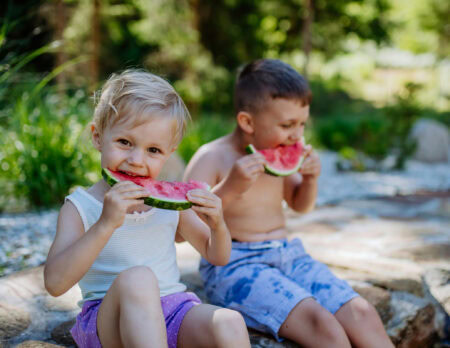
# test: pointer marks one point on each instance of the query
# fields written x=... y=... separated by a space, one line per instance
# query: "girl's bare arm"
x=73 y=251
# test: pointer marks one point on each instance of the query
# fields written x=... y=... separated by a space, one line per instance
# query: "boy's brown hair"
x=268 y=78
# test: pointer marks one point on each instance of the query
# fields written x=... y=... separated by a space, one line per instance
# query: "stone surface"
x=438 y=283
x=13 y=321
x=432 y=139
x=413 y=322
x=394 y=252
x=61 y=334
x=36 y=344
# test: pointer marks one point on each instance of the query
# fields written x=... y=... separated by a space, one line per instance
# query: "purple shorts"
x=174 y=306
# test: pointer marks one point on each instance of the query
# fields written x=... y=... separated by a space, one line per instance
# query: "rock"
x=32 y=312
x=438 y=283
x=433 y=141
x=61 y=334
x=413 y=322
x=36 y=344
x=259 y=340
x=13 y=321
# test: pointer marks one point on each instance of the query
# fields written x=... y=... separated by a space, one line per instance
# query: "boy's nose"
x=297 y=134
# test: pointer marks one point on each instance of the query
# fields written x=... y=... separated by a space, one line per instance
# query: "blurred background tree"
x=361 y=57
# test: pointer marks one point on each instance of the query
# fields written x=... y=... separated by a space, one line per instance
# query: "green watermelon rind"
x=156 y=202
x=276 y=172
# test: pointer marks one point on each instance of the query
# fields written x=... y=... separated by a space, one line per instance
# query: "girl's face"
x=139 y=150
x=281 y=122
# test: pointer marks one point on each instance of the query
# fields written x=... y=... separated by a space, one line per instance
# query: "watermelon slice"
x=163 y=194
x=282 y=160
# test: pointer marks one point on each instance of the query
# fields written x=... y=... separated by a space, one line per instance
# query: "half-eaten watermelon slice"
x=163 y=194
x=282 y=160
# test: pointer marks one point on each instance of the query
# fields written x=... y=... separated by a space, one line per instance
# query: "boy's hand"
x=245 y=172
x=310 y=169
x=208 y=207
x=118 y=200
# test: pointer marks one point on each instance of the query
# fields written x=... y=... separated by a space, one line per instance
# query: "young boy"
x=273 y=282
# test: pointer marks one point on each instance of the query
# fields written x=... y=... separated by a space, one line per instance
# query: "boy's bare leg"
x=130 y=314
x=362 y=324
x=210 y=326
x=311 y=325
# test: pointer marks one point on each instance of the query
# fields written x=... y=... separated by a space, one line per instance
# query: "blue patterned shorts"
x=266 y=280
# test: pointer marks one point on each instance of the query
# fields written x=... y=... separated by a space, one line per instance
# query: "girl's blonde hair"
x=139 y=95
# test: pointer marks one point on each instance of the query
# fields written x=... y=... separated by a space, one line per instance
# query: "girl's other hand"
x=208 y=207
x=118 y=200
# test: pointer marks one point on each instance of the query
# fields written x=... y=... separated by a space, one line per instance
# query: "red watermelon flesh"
x=162 y=194
x=282 y=160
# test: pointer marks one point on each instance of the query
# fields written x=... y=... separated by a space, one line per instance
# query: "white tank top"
x=146 y=239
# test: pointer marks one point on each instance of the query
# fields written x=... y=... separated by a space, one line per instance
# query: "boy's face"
x=280 y=122
x=139 y=150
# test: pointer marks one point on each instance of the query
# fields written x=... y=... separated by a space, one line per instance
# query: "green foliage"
x=44 y=153
x=207 y=128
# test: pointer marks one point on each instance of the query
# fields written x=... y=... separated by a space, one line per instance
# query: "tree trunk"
x=61 y=56
x=308 y=18
x=96 y=38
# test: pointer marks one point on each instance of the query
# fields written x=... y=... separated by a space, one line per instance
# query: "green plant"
x=205 y=129
x=43 y=151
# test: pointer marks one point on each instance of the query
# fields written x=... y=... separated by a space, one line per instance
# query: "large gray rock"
x=433 y=141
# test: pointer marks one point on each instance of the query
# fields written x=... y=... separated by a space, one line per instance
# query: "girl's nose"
x=135 y=157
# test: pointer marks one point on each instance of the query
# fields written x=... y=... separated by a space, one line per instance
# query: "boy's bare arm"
x=209 y=167
x=300 y=192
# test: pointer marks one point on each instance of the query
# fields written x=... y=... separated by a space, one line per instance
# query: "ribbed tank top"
x=145 y=239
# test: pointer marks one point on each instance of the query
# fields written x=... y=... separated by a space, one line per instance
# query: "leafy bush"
x=43 y=152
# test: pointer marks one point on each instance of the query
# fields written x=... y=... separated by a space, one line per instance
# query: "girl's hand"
x=245 y=172
x=118 y=200
x=311 y=167
x=208 y=207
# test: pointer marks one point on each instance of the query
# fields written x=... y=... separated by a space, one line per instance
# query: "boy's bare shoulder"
x=215 y=151
x=210 y=161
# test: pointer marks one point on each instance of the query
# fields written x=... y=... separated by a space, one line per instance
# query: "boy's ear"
x=245 y=121
x=96 y=138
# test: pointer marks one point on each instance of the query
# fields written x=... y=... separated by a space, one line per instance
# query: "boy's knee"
x=230 y=323
x=363 y=311
x=137 y=281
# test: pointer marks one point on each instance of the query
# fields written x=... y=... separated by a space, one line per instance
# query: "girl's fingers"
x=256 y=168
x=205 y=210
x=204 y=202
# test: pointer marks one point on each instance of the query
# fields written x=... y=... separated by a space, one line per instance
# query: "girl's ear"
x=96 y=138
x=245 y=122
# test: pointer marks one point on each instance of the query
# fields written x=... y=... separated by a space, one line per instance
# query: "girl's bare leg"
x=130 y=314
x=210 y=326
